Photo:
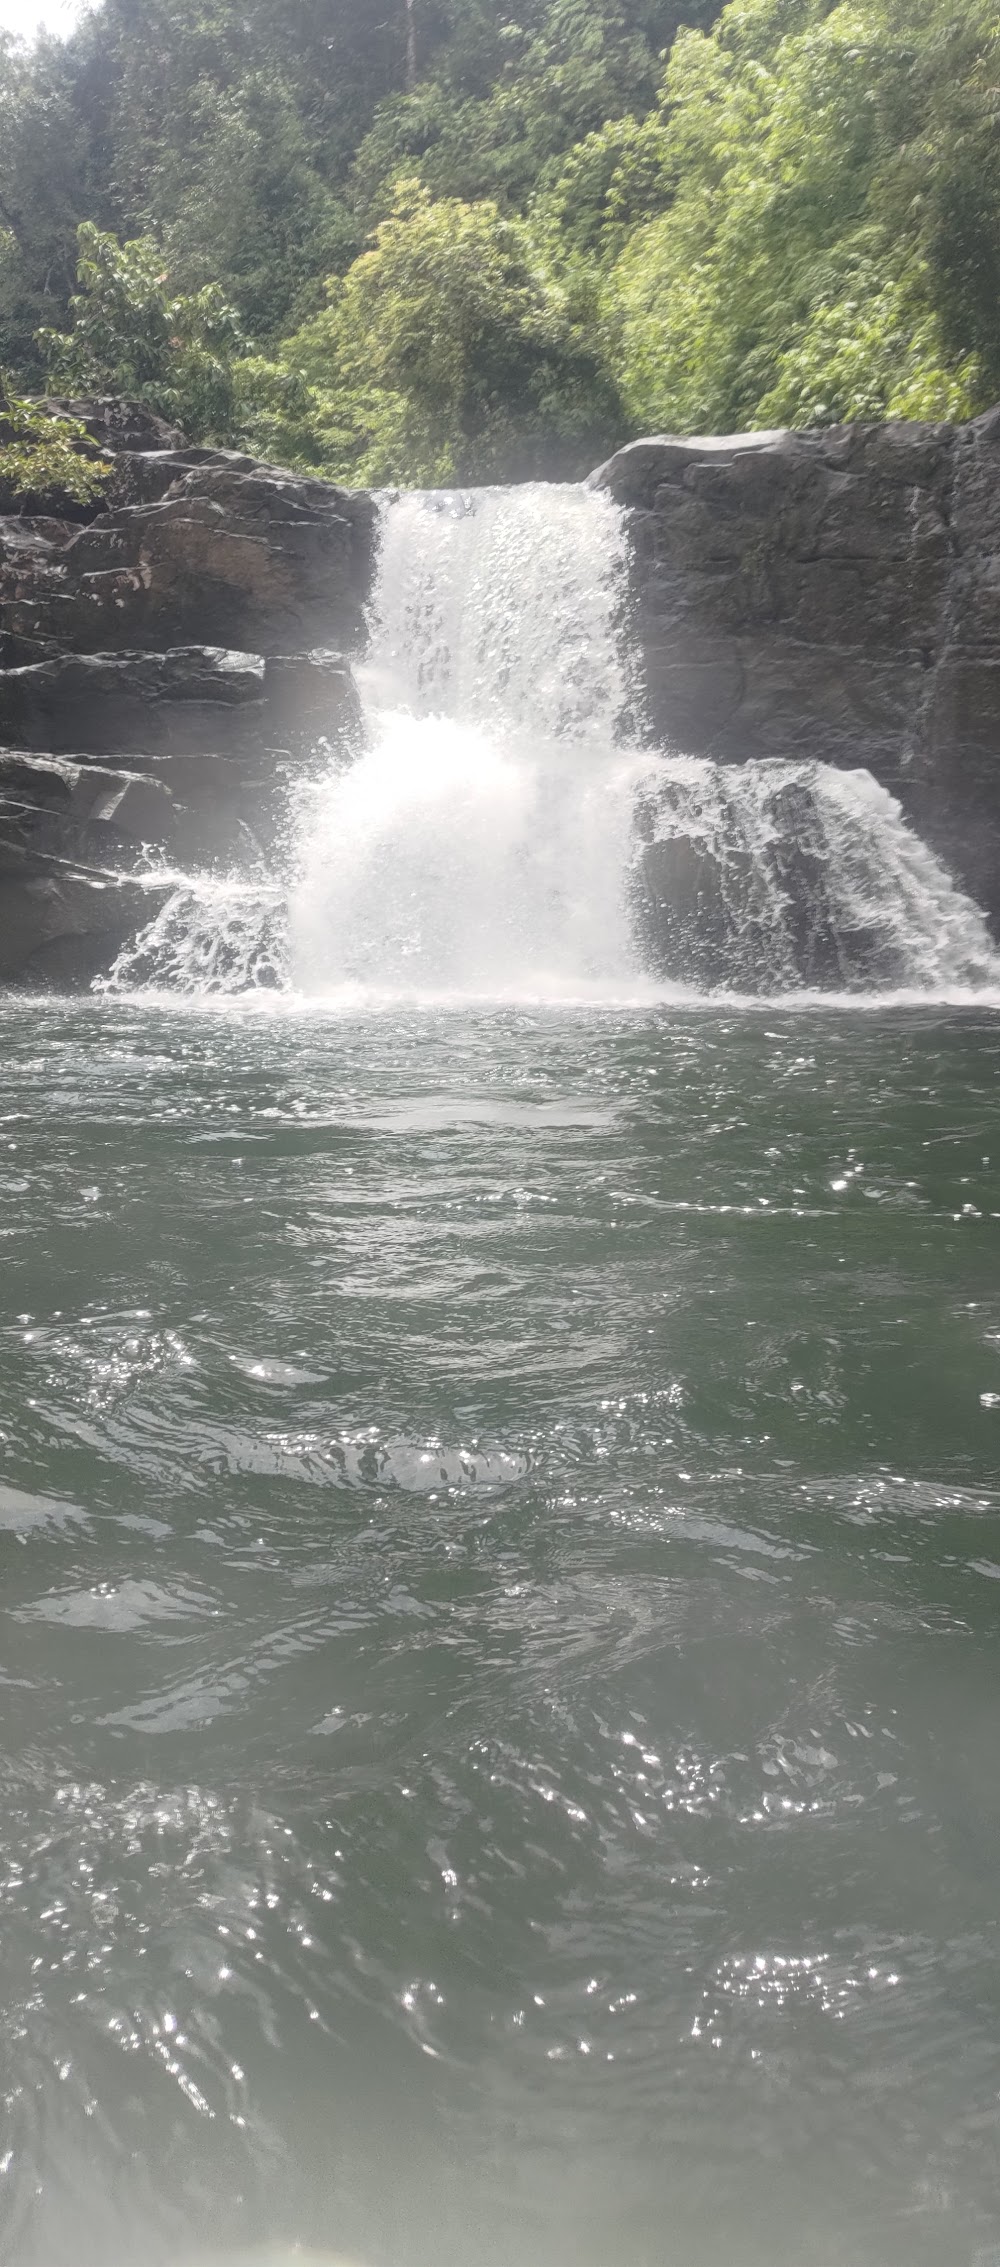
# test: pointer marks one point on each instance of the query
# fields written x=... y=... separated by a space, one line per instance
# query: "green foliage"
x=217 y=161
x=585 y=61
x=45 y=190
x=133 y=334
x=874 y=354
x=45 y=457
x=445 y=355
x=829 y=240
x=447 y=240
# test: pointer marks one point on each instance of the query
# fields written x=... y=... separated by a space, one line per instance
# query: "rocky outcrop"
x=190 y=810
x=199 y=545
x=63 y=923
x=118 y=425
x=185 y=701
x=118 y=763
x=165 y=671
x=833 y=595
x=81 y=810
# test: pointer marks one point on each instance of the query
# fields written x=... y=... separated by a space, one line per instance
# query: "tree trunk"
x=411 y=46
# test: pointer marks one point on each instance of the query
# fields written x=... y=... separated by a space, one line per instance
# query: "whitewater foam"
x=504 y=837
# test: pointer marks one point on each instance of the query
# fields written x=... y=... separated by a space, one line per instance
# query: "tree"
x=506 y=102
x=233 y=157
x=447 y=239
x=134 y=335
x=444 y=354
x=45 y=191
x=827 y=241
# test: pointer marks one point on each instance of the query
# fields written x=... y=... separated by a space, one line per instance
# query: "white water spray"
x=499 y=838
x=481 y=845
x=212 y=936
x=770 y=878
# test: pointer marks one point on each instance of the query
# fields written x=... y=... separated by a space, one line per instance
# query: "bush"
x=45 y=459
x=133 y=335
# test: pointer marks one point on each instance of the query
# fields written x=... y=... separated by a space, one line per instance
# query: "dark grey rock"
x=87 y=812
x=118 y=425
x=62 y=924
x=146 y=475
x=160 y=680
x=199 y=545
x=190 y=699
x=99 y=702
x=831 y=595
x=229 y=551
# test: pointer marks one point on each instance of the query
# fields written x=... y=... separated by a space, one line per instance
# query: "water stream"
x=500 y=1749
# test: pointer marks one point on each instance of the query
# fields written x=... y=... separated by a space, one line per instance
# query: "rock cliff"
x=167 y=661
x=162 y=666
x=833 y=595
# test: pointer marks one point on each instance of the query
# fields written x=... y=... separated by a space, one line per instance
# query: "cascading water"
x=211 y=936
x=481 y=845
x=503 y=835
x=768 y=878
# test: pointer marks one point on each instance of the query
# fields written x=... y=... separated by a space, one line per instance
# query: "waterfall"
x=481 y=844
x=499 y=608
x=213 y=935
x=503 y=834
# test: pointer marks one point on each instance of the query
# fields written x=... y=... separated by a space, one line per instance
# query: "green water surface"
x=499 y=1668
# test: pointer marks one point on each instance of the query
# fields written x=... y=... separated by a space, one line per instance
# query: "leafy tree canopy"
x=132 y=332
x=468 y=239
x=446 y=354
x=828 y=239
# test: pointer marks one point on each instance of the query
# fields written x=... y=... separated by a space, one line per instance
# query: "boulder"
x=27 y=542
x=187 y=700
x=216 y=546
x=62 y=924
x=146 y=476
x=831 y=595
x=118 y=425
x=199 y=545
x=112 y=426
x=734 y=888
x=82 y=810
x=193 y=812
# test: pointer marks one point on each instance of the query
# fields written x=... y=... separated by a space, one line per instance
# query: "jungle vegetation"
x=446 y=240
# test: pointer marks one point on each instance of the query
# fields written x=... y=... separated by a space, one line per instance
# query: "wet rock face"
x=192 y=811
x=189 y=700
x=62 y=924
x=763 y=882
x=166 y=670
x=184 y=759
x=199 y=545
x=81 y=811
x=834 y=596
